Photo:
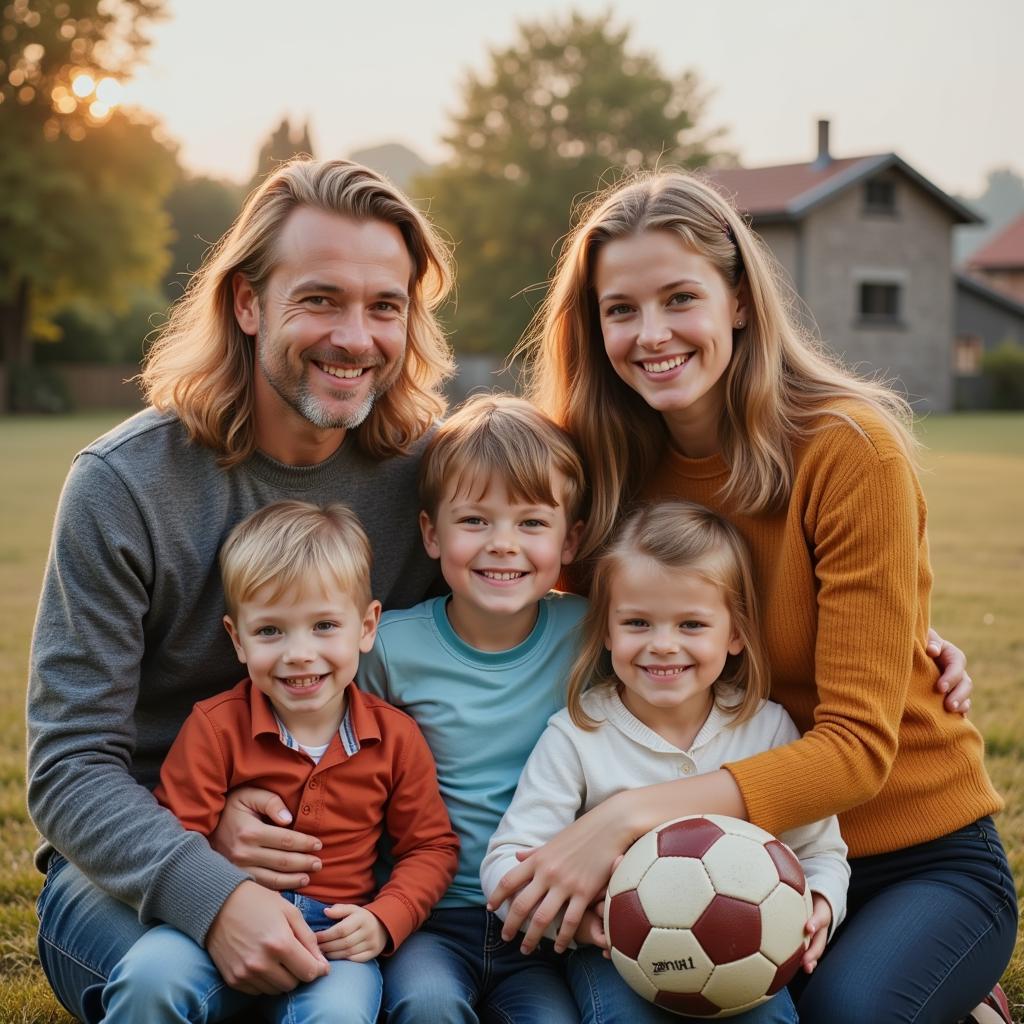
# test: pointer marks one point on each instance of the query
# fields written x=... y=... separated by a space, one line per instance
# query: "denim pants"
x=159 y=974
x=456 y=969
x=929 y=931
x=604 y=998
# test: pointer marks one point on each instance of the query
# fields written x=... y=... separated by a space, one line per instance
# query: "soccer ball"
x=705 y=915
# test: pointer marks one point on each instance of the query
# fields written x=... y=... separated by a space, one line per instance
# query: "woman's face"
x=667 y=316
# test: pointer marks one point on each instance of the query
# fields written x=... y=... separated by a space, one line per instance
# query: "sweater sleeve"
x=87 y=649
x=551 y=792
x=818 y=846
x=866 y=518
x=424 y=847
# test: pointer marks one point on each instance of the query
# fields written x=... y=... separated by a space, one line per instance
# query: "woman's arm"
x=575 y=865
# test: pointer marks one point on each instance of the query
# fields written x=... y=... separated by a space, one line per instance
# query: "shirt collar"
x=358 y=724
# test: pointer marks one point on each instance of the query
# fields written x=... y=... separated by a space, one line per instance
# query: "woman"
x=666 y=347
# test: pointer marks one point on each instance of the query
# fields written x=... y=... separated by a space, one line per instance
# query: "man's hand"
x=260 y=943
x=817 y=928
x=278 y=858
x=358 y=936
x=953 y=681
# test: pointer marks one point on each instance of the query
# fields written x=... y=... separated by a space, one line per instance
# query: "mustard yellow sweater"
x=844 y=584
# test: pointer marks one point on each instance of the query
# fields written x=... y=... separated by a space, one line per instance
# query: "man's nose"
x=352 y=333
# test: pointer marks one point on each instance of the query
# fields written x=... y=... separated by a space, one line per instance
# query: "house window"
x=880 y=197
x=879 y=303
x=967 y=352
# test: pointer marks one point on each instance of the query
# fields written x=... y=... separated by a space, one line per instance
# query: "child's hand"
x=591 y=929
x=358 y=936
x=817 y=928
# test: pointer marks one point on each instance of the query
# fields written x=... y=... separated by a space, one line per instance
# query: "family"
x=589 y=595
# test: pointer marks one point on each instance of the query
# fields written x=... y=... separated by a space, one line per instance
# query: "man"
x=305 y=361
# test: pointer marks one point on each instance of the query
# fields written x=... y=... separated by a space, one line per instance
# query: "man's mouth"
x=344 y=372
x=664 y=365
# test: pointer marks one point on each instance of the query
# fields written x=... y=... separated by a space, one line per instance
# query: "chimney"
x=824 y=158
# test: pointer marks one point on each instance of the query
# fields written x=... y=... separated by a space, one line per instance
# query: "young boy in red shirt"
x=348 y=766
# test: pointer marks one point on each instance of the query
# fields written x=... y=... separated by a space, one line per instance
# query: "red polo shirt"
x=346 y=800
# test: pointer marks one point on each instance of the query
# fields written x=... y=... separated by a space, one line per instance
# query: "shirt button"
x=686 y=768
x=313 y=784
x=306 y=809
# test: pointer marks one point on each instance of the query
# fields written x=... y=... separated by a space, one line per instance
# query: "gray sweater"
x=129 y=636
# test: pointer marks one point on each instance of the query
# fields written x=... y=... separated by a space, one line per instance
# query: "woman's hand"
x=569 y=871
x=276 y=857
x=953 y=680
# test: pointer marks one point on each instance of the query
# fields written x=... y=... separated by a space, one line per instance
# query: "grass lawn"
x=974 y=479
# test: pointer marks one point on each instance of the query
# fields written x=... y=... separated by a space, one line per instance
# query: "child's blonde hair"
x=690 y=538
x=498 y=435
x=296 y=542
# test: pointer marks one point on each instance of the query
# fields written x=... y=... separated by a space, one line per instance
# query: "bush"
x=1004 y=368
x=38 y=389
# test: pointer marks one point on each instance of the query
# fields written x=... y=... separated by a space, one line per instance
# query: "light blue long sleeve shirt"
x=480 y=711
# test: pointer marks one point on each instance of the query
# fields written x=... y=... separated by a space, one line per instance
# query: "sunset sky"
x=940 y=83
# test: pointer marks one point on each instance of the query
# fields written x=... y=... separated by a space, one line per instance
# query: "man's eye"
x=316 y=300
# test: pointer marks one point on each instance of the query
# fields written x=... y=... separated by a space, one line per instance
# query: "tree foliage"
x=201 y=210
x=569 y=105
x=81 y=183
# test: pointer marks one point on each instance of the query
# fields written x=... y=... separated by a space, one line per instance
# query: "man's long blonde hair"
x=201 y=366
x=779 y=382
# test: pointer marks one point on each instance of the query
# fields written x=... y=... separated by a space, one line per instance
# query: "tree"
x=81 y=183
x=201 y=210
x=567 y=106
x=282 y=144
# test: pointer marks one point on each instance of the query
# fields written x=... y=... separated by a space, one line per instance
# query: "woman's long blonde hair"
x=683 y=537
x=201 y=366
x=779 y=381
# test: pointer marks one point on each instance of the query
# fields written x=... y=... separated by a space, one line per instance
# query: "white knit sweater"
x=572 y=770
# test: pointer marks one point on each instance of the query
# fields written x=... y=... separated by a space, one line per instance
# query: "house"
x=1000 y=262
x=867 y=245
x=986 y=318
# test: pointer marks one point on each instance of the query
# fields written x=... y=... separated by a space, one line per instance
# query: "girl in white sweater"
x=670 y=681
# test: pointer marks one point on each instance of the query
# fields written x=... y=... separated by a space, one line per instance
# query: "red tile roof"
x=1005 y=250
x=767 y=190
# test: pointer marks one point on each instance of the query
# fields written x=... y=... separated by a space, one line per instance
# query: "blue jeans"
x=456 y=969
x=84 y=934
x=165 y=978
x=929 y=931
x=604 y=998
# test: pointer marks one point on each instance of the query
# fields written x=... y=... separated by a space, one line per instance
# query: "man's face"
x=331 y=324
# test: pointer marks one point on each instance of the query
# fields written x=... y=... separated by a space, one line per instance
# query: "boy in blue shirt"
x=481 y=671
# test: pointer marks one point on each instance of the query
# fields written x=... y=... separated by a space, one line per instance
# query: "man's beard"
x=299 y=394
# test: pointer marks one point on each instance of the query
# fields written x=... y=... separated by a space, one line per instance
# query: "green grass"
x=973 y=473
